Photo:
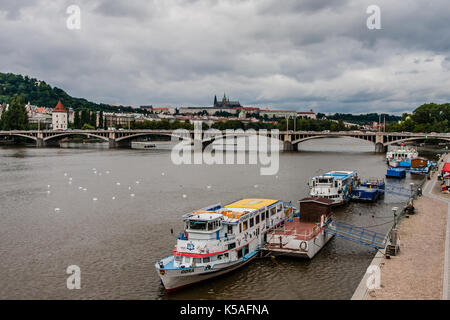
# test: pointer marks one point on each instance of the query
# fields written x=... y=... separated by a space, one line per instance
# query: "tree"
x=87 y=126
x=100 y=120
x=84 y=117
x=93 y=119
x=16 y=117
x=76 y=120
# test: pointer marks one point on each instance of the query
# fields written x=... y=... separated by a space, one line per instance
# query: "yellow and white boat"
x=219 y=239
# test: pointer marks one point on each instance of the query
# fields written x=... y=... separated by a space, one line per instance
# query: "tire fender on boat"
x=304 y=245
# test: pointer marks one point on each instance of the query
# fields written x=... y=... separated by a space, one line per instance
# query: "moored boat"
x=396 y=173
x=420 y=166
x=334 y=185
x=219 y=239
x=305 y=235
x=401 y=157
x=369 y=190
x=142 y=145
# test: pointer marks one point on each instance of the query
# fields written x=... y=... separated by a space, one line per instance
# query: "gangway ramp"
x=357 y=234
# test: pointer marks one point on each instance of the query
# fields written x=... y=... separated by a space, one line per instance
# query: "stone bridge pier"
x=379 y=143
x=288 y=145
x=40 y=142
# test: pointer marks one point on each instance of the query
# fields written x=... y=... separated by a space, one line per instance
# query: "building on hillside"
x=118 y=119
x=164 y=110
x=271 y=114
x=307 y=115
x=226 y=103
x=71 y=115
x=59 y=117
x=43 y=121
x=210 y=111
x=148 y=108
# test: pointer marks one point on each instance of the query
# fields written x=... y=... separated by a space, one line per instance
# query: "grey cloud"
x=284 y=54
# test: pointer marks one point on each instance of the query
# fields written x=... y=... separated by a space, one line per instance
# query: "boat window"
x=245 y=225
x=197 y=260
x=335 y=184
x=178 y=259
x=272 y=211
x=206 y=259
x=251 y=222
x=225 y=255
x=263 y=216
x=240 y=227
x=267 y=213
x=219 y=257
x=257 y=219
x=187 y=260
x=210 y=225
x=231 y=245
x=197 y=225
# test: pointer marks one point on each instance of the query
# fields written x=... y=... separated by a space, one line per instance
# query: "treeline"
x=314 y=125
x=87 y=120
x=427 y=118
x=41 y=94
x=15 y=118
x=360 y=119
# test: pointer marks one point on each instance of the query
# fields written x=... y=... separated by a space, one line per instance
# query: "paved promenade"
x=421 y=269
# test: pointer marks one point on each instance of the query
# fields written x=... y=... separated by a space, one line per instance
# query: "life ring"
x=304 y=245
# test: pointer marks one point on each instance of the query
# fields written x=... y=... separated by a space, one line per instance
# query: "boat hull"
x=177 y=279
x=295 y=248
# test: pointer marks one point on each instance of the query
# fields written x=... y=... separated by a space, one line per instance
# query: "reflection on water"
x=116 y=242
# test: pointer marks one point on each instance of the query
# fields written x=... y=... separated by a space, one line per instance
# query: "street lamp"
x=394 y=211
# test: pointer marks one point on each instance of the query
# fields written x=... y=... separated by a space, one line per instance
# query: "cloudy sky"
x=295 y=54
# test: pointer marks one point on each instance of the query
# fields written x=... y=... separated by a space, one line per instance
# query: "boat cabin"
x=312 y=209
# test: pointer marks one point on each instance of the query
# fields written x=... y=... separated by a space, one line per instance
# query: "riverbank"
x=420 y=269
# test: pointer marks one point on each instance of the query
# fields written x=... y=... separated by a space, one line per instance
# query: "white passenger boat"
x=333 y=185
x=401 y=157
x=219 y=239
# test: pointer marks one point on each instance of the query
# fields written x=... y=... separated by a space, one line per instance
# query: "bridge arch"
x=19 y=135
x=298 y=141
x=66 y=134
x=413 y=139
x=143 y=134
x=238 y=134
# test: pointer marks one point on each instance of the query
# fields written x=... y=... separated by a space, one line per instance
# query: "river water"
x=49 y=222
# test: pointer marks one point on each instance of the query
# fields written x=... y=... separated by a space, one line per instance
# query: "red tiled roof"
x=59 y=107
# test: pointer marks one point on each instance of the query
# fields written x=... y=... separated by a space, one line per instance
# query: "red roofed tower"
x=59 y=117
x=59 y=107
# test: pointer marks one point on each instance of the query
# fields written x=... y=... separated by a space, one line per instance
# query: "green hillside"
x=42 y=94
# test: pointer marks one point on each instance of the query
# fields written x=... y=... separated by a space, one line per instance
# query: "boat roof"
x=251 y=203
x=231 y=213
x=205 y=215
x=339 y=174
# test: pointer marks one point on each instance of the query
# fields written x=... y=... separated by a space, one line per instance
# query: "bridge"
x=290 y=139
